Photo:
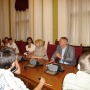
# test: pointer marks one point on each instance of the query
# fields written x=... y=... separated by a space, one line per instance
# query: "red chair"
x=78 y=52
x=18 y=43
x=23 y=47
x=56 y=42
x=50 y=50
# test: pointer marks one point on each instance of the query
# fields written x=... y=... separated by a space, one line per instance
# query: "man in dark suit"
x=64 y=52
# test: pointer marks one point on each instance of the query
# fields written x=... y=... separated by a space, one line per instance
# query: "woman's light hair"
x=84 y=62
x=40 y=42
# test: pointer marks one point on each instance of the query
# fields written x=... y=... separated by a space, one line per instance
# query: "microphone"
x=44 y=56
x=46 y=83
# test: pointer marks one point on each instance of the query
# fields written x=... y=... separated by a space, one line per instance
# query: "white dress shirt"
x=63 y=52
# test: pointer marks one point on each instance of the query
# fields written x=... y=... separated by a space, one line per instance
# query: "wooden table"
x=30 y=76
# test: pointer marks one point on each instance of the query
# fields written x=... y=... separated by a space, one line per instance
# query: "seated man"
x=12 y=45
x=80 y=80
x=64 y=52
x=7 y=80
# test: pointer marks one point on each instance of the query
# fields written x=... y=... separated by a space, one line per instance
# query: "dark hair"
x=65 y=38
x=84 y=62
x=30 y=39
x=6 y=38
x=9 y=39
x=7 y=57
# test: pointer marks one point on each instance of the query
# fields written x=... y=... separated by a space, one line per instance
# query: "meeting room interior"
x=50 y=40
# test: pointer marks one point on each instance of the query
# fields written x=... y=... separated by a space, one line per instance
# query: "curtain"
x=21 y=25
x=47 y=21
x=37 y=19
x=62 y=18
x=40 y=20
x=19 y=22
x=4 y=19
x=79 y=21
x=74 y=21
x=13 y=19
x=21 y=5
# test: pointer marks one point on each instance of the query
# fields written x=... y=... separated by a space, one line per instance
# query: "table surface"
x=34 y=73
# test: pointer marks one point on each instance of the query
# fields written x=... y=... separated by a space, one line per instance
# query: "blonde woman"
x=40 y=51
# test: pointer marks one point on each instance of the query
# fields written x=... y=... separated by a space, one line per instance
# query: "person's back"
x=7 y=79
x=80 y=80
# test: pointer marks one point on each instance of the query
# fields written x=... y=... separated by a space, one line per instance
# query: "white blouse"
x=32 y=49
x=14 y=46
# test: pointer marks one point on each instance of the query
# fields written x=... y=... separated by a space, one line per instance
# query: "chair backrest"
x=21 y=46
x=78 y=52
x=56 y=42
x=50 y=50
x=18 y=43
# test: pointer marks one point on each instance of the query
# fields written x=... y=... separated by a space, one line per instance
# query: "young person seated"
x=40 y=51
x=16 y=69
x=30 y=47
x=64 y=52
x=7 y=79
x=13 y=45
x=80 y=80
x=5 y=42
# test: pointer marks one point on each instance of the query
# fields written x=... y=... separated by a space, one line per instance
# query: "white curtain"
x=79 y=17
x=13 y=19
x=47 y=21
x=4 y=18
x=30 y=31
x=21 y=25
x=37 y=19
x=40 y=20
x=62 y=18
x=74 y=21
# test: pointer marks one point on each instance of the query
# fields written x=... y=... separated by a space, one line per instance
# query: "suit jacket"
x=69 y=55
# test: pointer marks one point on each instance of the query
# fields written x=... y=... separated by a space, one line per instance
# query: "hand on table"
x=51 y=61
x=42 y=80
x=39 y=58
x=32 y=56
